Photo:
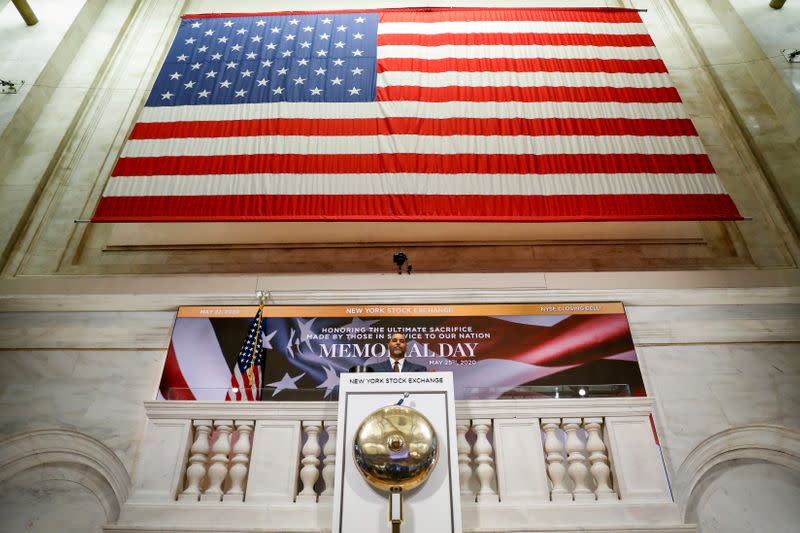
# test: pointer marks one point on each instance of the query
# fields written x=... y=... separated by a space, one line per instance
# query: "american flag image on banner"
x=246 y=378
x=431 y=114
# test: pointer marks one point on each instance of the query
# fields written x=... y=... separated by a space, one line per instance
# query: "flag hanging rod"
x=25 y=11
x=82 y=221
x=263 y=297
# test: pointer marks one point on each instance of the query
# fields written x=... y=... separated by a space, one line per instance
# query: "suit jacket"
x=408 y=366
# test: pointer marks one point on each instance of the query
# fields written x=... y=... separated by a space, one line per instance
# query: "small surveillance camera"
x=399 y=259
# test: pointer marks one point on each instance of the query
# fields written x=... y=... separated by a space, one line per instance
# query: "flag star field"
x=290 y=58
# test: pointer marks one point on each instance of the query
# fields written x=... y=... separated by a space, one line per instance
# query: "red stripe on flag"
x=415 y=163
x=384 y=207
x=516 y=39
x=505 y=14
x=505 y=64
x=173 y=385
x=408 y=9
x=413 y=126
x=527 y=94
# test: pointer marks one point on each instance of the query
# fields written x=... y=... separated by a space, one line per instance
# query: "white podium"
x=434 y=507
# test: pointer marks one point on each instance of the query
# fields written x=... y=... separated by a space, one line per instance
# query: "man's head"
x=397 y=345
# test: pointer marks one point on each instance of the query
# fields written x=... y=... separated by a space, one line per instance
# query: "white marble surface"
x=20 y=61
x=36 y=501
x=774 y=30
x=749 y=497
x=706 y=388
x=96 y=392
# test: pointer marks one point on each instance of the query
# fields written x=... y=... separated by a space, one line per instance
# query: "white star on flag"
x=305 y=327
x=331 y=380
x=358 y=324
x=265 y=341
x=289 y=348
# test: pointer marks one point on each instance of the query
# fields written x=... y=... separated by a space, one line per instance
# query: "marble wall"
x=748 y=497
x=37 y=501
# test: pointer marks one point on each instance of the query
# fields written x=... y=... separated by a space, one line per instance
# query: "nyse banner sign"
x=494 y=351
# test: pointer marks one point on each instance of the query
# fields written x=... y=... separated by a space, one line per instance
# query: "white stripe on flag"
x=517 y=52
x=201 y=359
x=444 y=184
x=413 y=144
x=511 y=26
x=435 y=110
x=523 y=79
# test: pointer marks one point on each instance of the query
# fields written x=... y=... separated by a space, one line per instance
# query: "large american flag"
x=427 y=114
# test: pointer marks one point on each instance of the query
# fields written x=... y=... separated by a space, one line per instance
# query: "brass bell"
x=395 y=449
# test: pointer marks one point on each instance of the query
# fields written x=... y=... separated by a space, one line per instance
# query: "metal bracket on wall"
x=10 y=86
x=792 y=55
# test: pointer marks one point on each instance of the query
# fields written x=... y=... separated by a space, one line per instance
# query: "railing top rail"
x=465 y=409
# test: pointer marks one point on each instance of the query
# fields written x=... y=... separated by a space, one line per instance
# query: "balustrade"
x=309 y=473
x=523 y=453
x=329 y=461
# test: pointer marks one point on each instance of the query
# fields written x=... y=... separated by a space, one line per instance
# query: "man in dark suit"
x=397 y=361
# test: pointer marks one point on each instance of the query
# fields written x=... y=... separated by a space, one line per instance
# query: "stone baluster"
x=310 y=471
x=555 y=460
x=597 y=457
x=218 y=470
x=329 y=462
x=464 y=468
x=483 y=458
x=239 y=461
x=577 y=469
x=198 y=457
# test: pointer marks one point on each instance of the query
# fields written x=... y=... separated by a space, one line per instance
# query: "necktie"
x=397 y=366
